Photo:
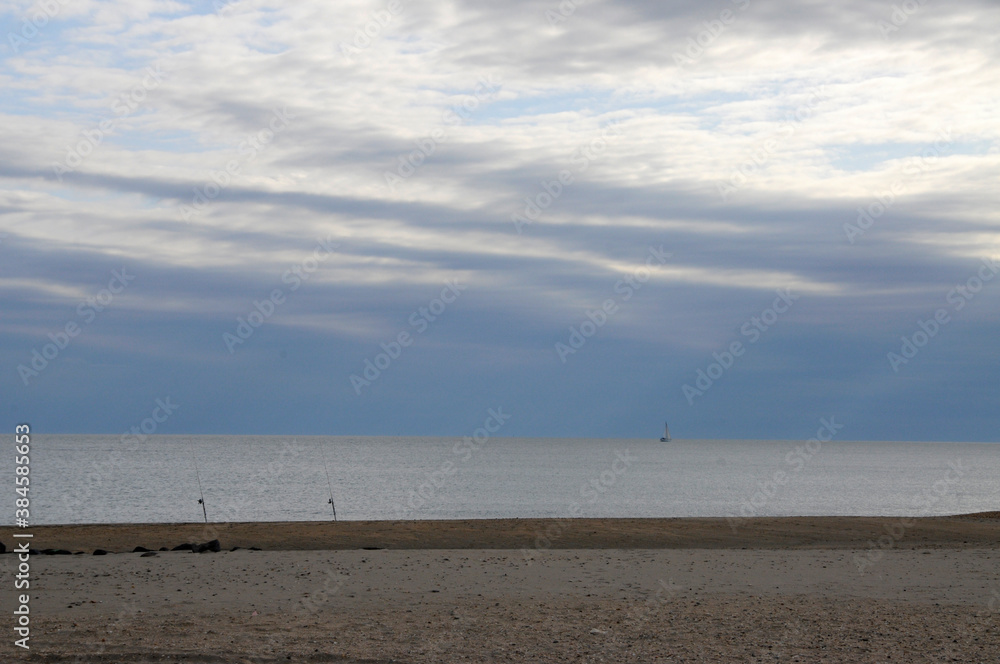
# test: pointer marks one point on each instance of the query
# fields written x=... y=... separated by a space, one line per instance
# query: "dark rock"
x=149 y=554
x=100 y=552
x=163 y=548
x=61 y=552
x=212 y=546
x=183 y=547
x=33 y=552
x=140 y=549
x=253 y=548
x=48 y=552
x=235 y=548
x=3 y=548
x=78 y=553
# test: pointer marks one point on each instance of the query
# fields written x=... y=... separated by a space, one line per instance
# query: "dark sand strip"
x=765 y=533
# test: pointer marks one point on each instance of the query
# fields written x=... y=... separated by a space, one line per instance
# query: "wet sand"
x=973 y=530
x=809 y=590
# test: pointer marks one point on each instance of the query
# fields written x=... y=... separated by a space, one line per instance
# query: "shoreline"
x=960 y=531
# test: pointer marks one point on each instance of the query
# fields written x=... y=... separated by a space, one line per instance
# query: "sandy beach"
x=671 y=590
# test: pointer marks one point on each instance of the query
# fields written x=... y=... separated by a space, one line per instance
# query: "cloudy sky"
x=389 y=217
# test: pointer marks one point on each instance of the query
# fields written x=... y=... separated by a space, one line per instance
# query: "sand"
x=969 y=530
x=809 y=590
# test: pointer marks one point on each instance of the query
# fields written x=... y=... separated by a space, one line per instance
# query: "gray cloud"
x=683 y=130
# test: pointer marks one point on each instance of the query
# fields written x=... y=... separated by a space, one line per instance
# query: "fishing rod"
x=328 y=482
x=201 y=501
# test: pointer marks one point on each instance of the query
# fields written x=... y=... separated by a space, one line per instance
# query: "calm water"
x=87 y=479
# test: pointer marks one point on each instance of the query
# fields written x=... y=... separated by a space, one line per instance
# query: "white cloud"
x=683 y=129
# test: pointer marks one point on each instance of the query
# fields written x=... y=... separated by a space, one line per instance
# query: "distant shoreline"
x=536 y=535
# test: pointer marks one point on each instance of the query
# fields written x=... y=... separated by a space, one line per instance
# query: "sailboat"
x=666 y=434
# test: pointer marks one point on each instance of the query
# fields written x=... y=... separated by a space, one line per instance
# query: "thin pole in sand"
x=201 y=501
x=328 y=482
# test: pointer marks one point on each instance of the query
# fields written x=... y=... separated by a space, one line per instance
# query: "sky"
x=390 y=217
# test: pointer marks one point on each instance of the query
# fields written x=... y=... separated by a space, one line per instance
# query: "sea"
x=77 y=479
